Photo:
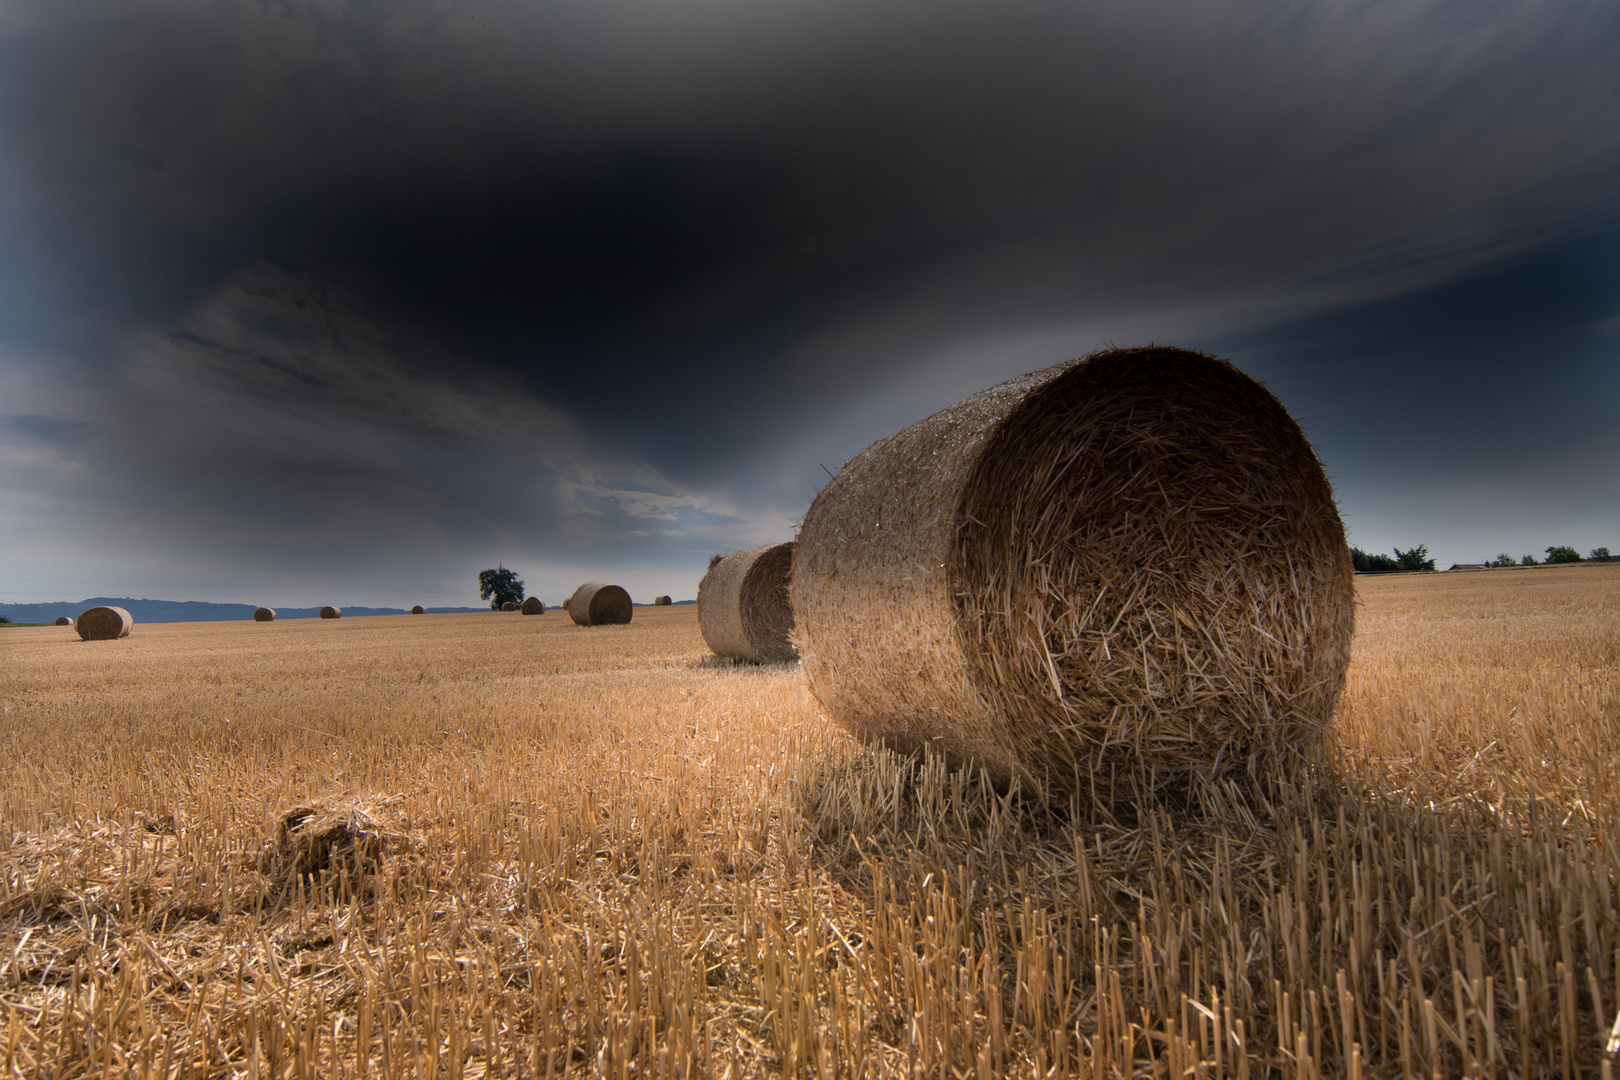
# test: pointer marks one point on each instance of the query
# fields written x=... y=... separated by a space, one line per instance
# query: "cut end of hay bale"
x=744 y=610
x=63 y=620
x=509 y=606
x=662 y=601
x=533 y=606
x=265 y=614
x=330 y=612
x=598 y=604
x=1128 y=565
x=104 y=624
x=418 y=610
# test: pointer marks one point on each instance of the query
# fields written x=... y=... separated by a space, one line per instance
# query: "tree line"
x=1418 y=559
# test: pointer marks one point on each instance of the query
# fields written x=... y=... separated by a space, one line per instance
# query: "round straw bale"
x=63 y=620
x=417 y=610
x=533 y=606
x=265 y=614
x=330 y=612
x=596 y=604
x=662 y=601
x=743 y=606
x=1125 y=567
x=103 y=624
x=509 y=606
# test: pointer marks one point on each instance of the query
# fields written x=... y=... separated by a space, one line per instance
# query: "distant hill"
x=159 y=611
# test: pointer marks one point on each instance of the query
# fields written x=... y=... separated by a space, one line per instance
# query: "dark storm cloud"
x=609 y=271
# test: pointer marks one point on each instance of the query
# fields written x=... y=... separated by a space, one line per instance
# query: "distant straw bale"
x=662 y=601
x=596 y=604
x=533 y=606
x=104 y=624
x=743 y=605
x=418 y=610
x=63 y=620
x=509 y=606
x=331 y=612
x=264 y=614
x=1123 y=569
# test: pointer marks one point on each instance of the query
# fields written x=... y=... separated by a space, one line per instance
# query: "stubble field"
x=497 y=845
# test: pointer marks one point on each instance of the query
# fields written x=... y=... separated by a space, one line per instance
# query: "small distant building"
x=1468 y=566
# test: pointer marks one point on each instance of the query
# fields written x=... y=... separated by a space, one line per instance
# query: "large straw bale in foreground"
x=743 y=606
x=330 y=612
x=533 y=606
x=103 y=624
x=596 y=604
x=264 y=614
x=1121 y=568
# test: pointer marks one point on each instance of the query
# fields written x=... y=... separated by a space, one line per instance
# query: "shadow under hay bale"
x=743 y=605
x=533 y=606
x=418 y=610
x=662 y=601
x=330 y=612
x=104 y=624
x=596 y=604
x=63 y=620
x=265 y=614
x=1126 y=564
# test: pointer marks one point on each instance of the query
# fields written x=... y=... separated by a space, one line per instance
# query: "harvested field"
x=470 y=847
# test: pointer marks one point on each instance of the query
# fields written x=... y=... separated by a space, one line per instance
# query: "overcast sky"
x=320 y=302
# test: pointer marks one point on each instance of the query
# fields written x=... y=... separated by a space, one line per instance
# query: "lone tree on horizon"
x=500 y=586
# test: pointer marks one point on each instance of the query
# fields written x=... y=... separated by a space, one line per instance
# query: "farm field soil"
x=498 y=845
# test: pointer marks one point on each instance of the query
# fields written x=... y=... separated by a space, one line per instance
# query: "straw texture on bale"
x=265 y=614
x=662 y=601
x=1123 y=568
x=743 y=605
x=596 y=604
x=509 y=606
x=330 y=612
x=103 y=624
x=63 y=620
x=417 y=610
x=533 y=606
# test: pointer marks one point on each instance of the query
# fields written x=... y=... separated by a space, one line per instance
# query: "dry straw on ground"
x=265 y=614
x=418 y=610
x=330 y=612
x=609 y=856
x=63 y=620
x=596 y=604
x=533 y=606
x=743 y=607
x=1122 y=570
x=104 y=624
x=662 y=601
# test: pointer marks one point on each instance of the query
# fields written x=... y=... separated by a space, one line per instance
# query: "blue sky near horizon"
x=341 y=303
